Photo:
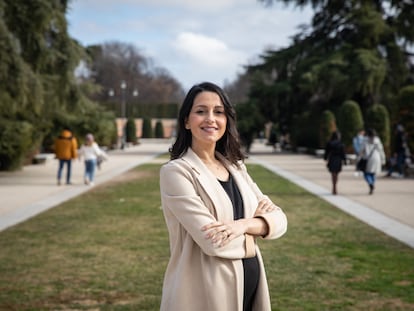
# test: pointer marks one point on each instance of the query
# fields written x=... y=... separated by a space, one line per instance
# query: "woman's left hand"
x=221 y=233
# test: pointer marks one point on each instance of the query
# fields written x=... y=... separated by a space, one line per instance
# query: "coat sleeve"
x=276 y=221
x=184 y=209
x=74 y=148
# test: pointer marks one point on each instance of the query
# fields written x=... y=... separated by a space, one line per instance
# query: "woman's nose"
x=210 y=116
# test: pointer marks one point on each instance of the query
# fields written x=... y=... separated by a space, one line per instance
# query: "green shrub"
x=159 y=129
x=326 y=128
x=15 y=143
x=350 y=122
x=377 y=117
x=131 y=131
x=146 y=128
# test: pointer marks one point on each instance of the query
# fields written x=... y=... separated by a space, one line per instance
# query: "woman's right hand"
x=265 y=206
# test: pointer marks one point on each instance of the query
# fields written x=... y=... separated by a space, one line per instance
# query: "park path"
x=26 y=193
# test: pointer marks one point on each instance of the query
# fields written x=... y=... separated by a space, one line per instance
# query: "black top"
x=335 y=154
x=250 y=265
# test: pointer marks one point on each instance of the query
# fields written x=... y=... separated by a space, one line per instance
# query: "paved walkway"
x=391 y=209
x=34 y=189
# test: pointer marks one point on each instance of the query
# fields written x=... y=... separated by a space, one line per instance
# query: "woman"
x=214 y=213
x=90 y=151
x=373 y=151
x=335 y=155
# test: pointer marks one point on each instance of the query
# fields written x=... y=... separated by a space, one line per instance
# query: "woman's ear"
x=186 y=125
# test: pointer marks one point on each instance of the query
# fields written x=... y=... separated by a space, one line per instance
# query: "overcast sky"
x=194 y=40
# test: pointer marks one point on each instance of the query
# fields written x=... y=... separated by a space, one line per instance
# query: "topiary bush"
x=146 y=128
x=350 y=122
x=377 y=117
x=159 y=129
x=131 y=131
x=326 y=128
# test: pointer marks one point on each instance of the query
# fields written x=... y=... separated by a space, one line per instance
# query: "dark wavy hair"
x=229 y=145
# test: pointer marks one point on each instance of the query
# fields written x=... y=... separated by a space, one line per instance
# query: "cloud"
x=194 y=40
x=196 y=57
x=207 y=50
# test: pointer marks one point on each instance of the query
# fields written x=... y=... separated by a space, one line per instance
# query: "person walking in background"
x=214 y=213
x=90 y=151
x=399 y=153
x=335 y=155
x=66 y=148
x=358 y=141
x=373 y=151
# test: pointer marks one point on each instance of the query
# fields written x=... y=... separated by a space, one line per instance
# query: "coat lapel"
x=211 y=186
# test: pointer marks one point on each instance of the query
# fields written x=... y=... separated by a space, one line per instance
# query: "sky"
x=194 y=40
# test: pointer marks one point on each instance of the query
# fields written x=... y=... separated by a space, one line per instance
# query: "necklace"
x=215 y=165
x=218 y=169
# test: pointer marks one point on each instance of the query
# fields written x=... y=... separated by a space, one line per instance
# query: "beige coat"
x=200 y=276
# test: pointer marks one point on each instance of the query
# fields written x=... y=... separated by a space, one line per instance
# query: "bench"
x=319 y=153
x=41 y=158
x=350 y=158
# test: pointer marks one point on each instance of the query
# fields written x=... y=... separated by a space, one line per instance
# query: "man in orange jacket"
x=66 y=149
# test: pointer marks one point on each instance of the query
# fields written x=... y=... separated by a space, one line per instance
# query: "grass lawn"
x=108 y=249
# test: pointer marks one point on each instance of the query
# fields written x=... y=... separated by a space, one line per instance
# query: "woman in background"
x=373 y=151
x=90 y=151
x=335 y=155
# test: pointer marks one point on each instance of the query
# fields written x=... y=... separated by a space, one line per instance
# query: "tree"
x=406 y=112
x=113 y=62
x=250 y=124
x=358 y=50
x=39 y=90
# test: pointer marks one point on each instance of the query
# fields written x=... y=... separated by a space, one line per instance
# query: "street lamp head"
x=135 y=93
x=123 y=85
x=111 y=92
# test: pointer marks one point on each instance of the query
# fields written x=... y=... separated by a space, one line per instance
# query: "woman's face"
x=207 y=119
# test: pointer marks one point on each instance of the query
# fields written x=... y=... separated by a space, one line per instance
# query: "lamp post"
x=123 y=141
x=135 y=93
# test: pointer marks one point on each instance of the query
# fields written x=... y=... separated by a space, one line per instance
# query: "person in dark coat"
x=400 y=145
x=335 y=155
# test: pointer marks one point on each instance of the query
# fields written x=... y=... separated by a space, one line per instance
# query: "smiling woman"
x=214 y=213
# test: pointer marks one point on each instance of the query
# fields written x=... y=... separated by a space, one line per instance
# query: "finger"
x=267 y=206
x=211 y=225
x=218 y=238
